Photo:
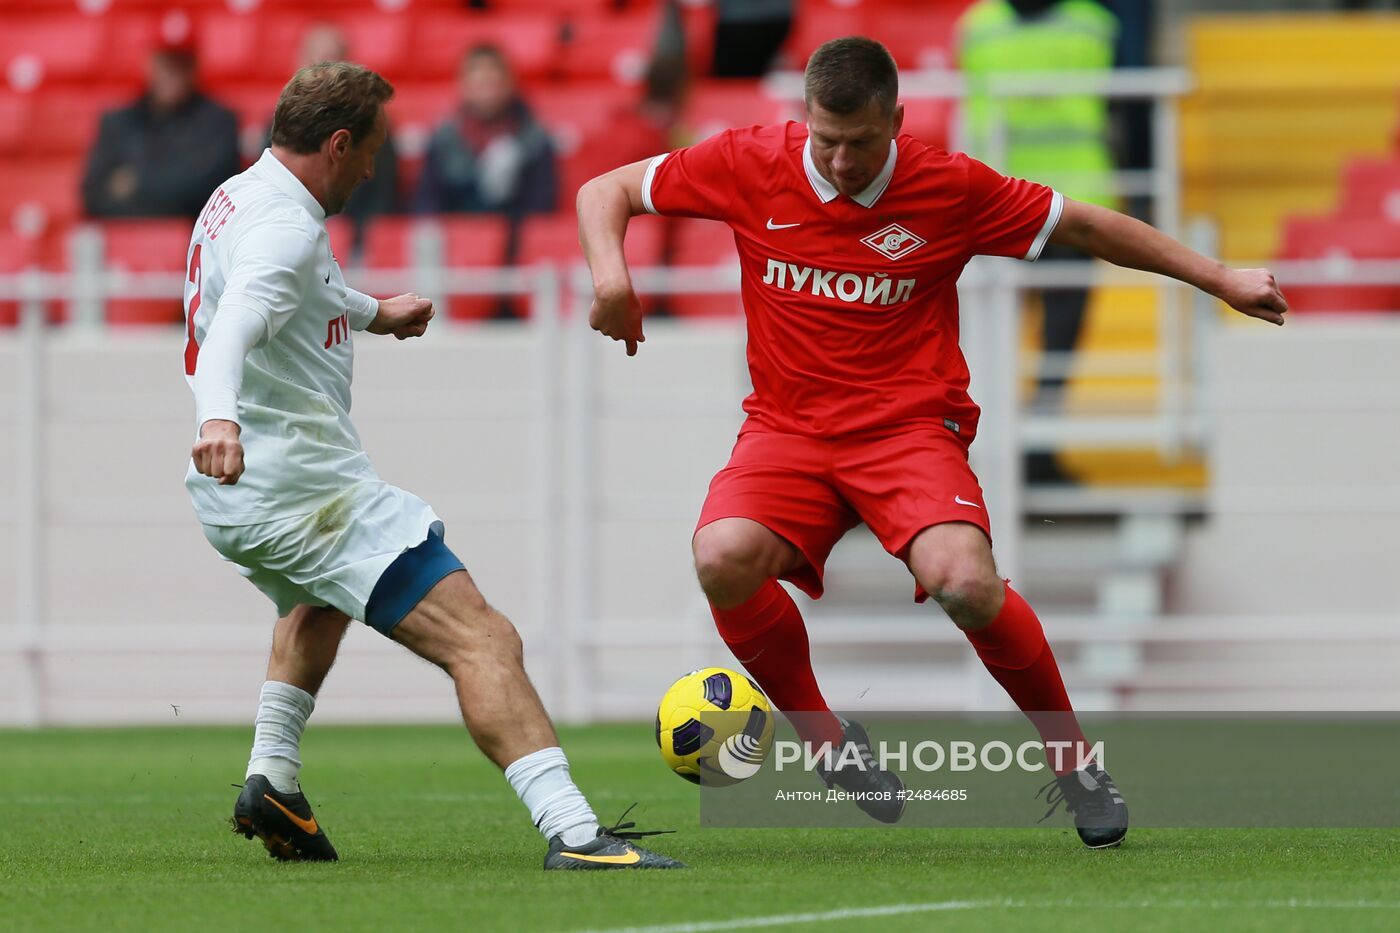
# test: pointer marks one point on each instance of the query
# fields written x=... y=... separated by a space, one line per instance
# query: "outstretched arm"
x=403 y=316
x=1125 y=241
x=605 y=205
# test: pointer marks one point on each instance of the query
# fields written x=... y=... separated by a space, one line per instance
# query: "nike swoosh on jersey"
x=773 y=226
x=306 y=826
x=629 y=858
x=961 y=501
x=328 y=278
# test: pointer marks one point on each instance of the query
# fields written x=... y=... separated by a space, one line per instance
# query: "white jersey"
x=261 y=244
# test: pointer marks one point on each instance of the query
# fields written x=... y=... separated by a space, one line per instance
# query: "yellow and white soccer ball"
x=714 y=727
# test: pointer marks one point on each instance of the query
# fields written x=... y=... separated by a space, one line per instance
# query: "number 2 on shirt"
x=196 y=279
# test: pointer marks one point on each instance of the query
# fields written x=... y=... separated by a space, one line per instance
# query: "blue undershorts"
x=408 y=579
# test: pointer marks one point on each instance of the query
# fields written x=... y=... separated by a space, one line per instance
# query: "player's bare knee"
x=733 y=560
x=965 y=590
x=488 y=638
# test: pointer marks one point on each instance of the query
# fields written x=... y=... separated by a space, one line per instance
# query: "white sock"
x=282 y=714
x=557 y=806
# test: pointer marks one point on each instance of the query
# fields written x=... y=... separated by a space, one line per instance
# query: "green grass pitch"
x=127 y=830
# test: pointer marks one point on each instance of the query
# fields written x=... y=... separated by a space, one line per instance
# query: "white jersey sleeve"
x=219 y=379
x=363 y=308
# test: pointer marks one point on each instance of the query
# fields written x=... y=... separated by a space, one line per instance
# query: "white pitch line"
x=744 y=923
x=889 y=910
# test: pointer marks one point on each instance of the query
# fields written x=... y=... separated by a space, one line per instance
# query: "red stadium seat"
x=64 y=121
x=929 y=120
x=145 y=246
x=14 y=121
x=815 y=23
x=39 y=193
x=130 y=37
x=342 y=234
x=917 y=37
x=1371 y=189
x=530 y=41
x=1341 y=239
x=559 y=6
x=65 y=48
x=17 y=253
x=703 y=243
x=473 y=243
x=717 y=105
x=553 y=239
x=231 y=45
x=617 y=46
x=376 y=40
x=576 y=112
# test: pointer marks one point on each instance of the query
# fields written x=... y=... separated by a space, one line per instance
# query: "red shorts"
x=811 y=491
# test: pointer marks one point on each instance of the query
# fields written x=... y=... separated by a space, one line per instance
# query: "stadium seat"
x=66 y=48
x=376 y=40
x=617 y=46
x=17 y=253
x=64 y=121
x=815 y=23
x=561 y=7
x=473 y=243
x=1371 y=189
x=703 y=243
x=928 y=119
x=40 y=193
x=1340 y=239
x=530 y=42
x=231 y=45
x=14 y=121
x=720 y=104
x=917 y=37
x=553 y=239
x=145 y=246
x=130 y=37
x=577 y=111
x=342 y=234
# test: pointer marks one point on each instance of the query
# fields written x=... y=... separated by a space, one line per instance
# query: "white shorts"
x=332 y=557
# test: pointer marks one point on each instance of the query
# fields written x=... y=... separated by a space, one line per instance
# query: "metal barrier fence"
x=563 y=389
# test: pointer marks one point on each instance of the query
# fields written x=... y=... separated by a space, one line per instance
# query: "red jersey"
x=851 y=302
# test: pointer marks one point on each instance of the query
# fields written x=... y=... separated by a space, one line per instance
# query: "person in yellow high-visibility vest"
x=1060 y=140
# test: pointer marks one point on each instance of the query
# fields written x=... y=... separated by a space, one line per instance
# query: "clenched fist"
x=403 y=316
x=1254 y=292
x=219 y=452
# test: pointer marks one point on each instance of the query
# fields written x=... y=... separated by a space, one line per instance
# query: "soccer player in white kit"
x=286 y=492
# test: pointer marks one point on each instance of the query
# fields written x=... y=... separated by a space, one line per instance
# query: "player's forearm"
x=603 y=214
x=1128 y=242
x=218 y=377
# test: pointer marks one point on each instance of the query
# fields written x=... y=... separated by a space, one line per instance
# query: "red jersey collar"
x=827 y=191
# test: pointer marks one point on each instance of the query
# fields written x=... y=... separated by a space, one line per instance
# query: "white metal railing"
x=566 y=499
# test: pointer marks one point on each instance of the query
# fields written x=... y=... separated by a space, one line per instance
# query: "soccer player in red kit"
x=851 y=238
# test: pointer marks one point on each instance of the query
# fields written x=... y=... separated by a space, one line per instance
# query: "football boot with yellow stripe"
x=612 y=848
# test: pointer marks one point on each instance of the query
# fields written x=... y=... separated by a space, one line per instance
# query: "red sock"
x=768 y=637
x=1016 y=653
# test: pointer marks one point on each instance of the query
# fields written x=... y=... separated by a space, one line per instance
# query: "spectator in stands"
x=1061 y=141
x=324 y=42
x=163 y=155
x=491 y=155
